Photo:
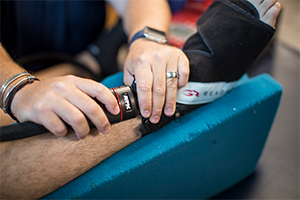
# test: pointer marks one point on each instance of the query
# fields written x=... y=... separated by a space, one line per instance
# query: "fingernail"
x=117 y=110
x=169 y=111
x=155 y=119
x=146 y=113
x=107 y=129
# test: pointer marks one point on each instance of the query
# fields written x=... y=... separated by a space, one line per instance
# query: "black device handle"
x=125 y=96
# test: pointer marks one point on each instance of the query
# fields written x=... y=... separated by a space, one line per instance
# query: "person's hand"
x=149 y=62
x=68 y=99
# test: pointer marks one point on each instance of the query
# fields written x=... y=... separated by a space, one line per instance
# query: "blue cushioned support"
x=211 y=149
x=114 y=80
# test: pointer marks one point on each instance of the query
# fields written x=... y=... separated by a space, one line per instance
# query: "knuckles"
x=158 y=55
x=60 y=86
x=99 y=88
x=103 y=125
x=71 y=77
x=41 y=107
x=156 y=111
x=63 y=84
x=170 y=102
x=144 y=87
x=142 y=59
x=159 y=91
x=92 y=108
x=60 y=131
x=83 y=133
x=78 y=119
x=172 y=84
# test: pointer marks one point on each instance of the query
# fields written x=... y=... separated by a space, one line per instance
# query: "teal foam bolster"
x=114 y=80
x=210 y=150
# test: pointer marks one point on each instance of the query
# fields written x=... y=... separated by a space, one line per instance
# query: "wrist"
x=11 y=87
x=22 y=101
x=150 y=34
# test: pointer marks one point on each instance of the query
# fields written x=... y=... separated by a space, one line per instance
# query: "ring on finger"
x=172 y=74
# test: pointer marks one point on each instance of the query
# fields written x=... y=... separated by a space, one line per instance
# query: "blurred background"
x=277 y=173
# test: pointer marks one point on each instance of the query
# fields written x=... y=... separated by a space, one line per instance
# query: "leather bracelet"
x=13 y=90
x=8 y=82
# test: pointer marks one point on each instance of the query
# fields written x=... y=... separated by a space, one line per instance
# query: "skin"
x=49 y=101
x=53 y=101
x=43 y=163
x=268 y=10
x=67 y=99
x=150 y=61
x=35 y=166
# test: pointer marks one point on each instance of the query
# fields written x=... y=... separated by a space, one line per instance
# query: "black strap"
x=19 y=131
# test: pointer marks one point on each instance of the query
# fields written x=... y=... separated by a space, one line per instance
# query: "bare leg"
x=33 y=167
x=268 y=10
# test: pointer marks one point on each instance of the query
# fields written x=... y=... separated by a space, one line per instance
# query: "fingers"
x=159 y=90
x=65 y=100
x=82 y=100
x=78 y=108
x=54 y=124
x=268 y=10
x=171 y=89
x=262 y=6
x=99 y=91
x=144 y=80
x=74 y=117
x=183 y=70
x=156 y=94
x=271 y=13
x=182 y=66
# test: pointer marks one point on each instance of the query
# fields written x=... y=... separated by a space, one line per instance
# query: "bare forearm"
x=39 y=165
x=152 y=13
x=8 y=67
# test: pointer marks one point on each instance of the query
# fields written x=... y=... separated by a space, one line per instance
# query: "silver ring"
x=172 y=75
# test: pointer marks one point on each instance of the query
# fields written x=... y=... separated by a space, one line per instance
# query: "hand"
x=65 y=99
x=149 y=62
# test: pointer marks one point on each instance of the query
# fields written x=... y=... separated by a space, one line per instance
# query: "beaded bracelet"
x=12 y=91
